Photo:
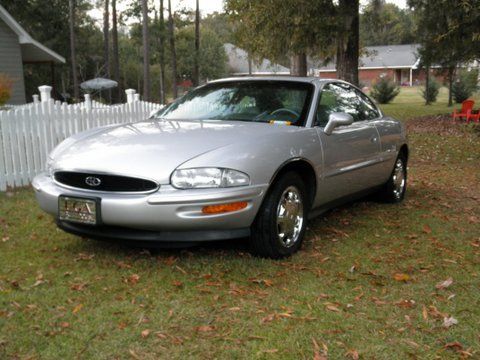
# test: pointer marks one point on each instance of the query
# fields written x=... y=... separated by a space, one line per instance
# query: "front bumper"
x=167 y=214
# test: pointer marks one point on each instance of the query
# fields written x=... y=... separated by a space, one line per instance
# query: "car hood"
x=154 y=149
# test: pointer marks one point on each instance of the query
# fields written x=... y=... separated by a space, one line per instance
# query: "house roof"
x=238 y=63
x=32 y=50
x=387 y=56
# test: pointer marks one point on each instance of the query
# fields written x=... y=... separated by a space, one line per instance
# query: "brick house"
x=399 y=62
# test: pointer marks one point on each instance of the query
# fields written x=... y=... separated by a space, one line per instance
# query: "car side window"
x=367 y=110
x=336 y=97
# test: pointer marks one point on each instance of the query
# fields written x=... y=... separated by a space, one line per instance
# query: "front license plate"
x=80 y=210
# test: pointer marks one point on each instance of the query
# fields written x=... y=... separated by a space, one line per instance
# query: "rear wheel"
x=396 y=186
x=279 y=228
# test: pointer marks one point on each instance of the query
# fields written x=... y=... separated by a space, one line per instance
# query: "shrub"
x=430 y=93
x=6 y=84
x=384 y=90
x=464 y=86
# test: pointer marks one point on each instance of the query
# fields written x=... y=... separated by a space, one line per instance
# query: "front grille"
x=101 y=182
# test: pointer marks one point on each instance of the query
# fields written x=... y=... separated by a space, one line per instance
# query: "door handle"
x=374 y=139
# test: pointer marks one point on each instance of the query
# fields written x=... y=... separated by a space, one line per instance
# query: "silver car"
x=241 y=157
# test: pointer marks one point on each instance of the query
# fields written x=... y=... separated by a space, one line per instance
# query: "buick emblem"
x=92 y=181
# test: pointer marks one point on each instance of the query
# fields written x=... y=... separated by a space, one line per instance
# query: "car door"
x=351 y=152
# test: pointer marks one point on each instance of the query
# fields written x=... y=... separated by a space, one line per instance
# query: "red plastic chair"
x=466 y=111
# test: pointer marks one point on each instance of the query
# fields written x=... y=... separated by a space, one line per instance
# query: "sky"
x=209 y=6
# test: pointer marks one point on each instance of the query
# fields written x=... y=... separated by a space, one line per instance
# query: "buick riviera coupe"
x=241 y=157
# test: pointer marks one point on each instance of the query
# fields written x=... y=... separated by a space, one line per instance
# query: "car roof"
x=306 y=79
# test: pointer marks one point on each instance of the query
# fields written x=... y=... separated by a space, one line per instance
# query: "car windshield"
x=252 y=100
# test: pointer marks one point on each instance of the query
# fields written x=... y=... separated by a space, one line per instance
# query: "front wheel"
x=396 y=186
x=280 y=225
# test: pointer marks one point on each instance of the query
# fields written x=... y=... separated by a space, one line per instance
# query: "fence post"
x=88 y=102
x=45 y=93
x=136 y=97
x=130 y=94
x=36 y=100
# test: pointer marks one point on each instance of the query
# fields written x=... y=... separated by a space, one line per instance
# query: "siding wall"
x=11 y=62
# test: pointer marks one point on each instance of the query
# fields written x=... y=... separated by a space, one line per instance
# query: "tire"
x=394 y=190
x=279 y=227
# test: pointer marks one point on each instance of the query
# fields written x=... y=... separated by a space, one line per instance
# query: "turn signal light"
x=224 y=208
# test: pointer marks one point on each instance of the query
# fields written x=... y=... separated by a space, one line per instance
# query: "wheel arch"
x=404 y=150
x=304 y=169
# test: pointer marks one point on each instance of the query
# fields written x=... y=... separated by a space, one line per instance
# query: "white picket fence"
x=29 y=132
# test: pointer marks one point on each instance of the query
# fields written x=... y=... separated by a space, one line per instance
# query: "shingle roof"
x=32 y=50
x=387 y=56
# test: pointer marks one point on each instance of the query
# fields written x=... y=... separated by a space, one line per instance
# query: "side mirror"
x=337 y=119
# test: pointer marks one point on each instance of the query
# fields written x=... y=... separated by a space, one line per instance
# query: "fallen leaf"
x=449 y=321
x=79 y=287
x=265 y=282
x=353 y=354
x=133 y=279
x=332 y=308
x=83 y=256
x=133 y=354
x=177 y=283
x=444 y=284
x=77 y=308
x=405 y=303
x=205 y=328
x=455 y=345
x=145 y=333
x=401 y=277
x=424 y=313
x=427 y=229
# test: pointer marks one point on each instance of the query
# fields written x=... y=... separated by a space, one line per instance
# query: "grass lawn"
x=365 y=285
x=409 y=103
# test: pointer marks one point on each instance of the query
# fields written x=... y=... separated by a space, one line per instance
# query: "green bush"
x=430 y=93
x=384 y=90
x=465 y=85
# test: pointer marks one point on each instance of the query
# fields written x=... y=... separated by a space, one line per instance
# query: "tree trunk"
x=146 y=52
x=348 y=41
x=196 y=66
x=451 y=72
x=427 y=84
x=115 y=55
x=162 y=54
x=106 y=45
x=298 y=65
x=73 y=55
x=173 y=52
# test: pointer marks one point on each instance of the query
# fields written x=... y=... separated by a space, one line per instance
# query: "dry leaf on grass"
x=427 y=229
x=444 y=284
x=205 y=328
x=133 y=279
x=77 y=308
x=455 y=345
x=449 y=321
x=401 y=277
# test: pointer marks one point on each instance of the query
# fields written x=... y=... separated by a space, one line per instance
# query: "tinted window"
x=343 y=98
x=259 y=101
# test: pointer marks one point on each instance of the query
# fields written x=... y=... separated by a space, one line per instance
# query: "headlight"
x=201 y=178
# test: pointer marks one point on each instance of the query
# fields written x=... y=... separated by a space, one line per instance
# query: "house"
x=240 y=64
x=17 y=48
x=399 y=62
